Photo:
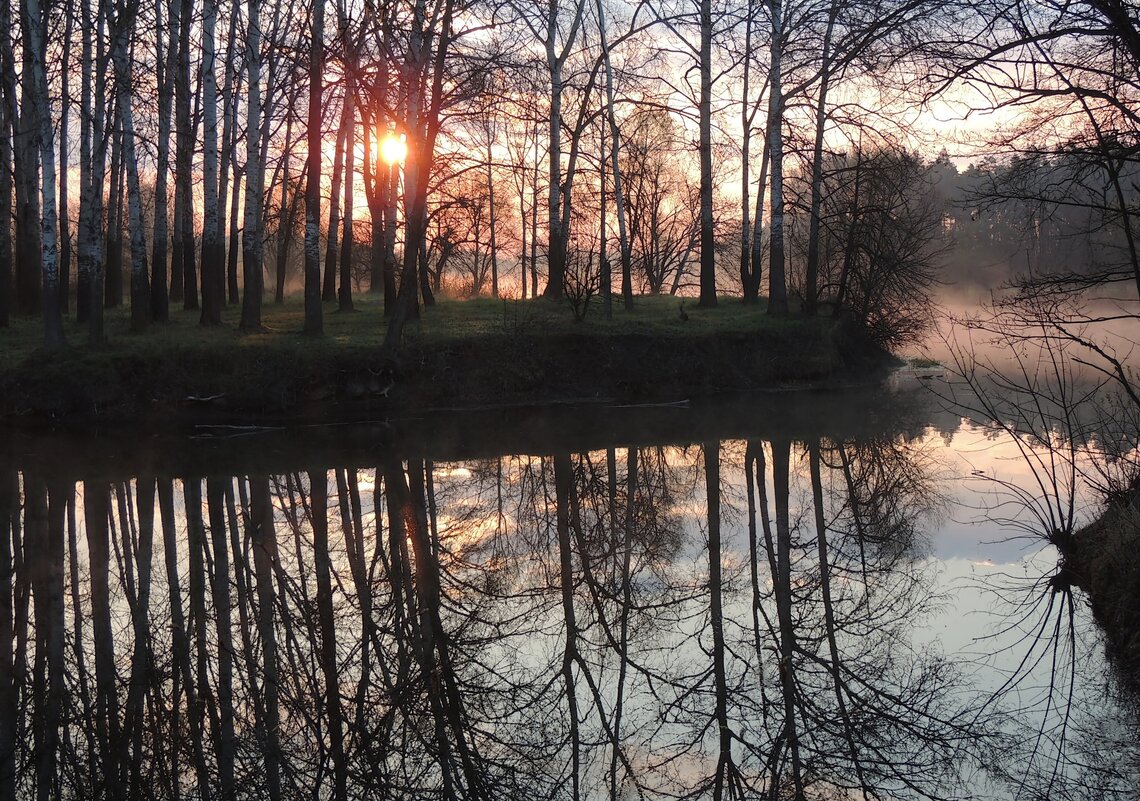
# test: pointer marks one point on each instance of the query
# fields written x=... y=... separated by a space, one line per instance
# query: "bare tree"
x=313 y=313
x=251 y=240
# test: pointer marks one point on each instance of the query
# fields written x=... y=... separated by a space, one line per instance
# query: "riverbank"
x=460 y=355
x=1103 y=559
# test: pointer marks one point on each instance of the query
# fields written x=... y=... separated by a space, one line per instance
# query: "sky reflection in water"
x=533 y=611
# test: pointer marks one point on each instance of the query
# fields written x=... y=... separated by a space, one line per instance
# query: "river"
x=787 y=594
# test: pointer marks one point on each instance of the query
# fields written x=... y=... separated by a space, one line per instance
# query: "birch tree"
x=558 y=44
x=213 y=249
x=122 y=26
x=34 y=24
x=91 y=193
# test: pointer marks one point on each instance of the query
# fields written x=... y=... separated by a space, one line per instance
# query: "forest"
x=843 y=156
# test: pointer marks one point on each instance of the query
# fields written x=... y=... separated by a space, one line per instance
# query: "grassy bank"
x=459 y=354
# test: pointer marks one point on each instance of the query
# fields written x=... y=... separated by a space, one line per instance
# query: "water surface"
x=759 y=598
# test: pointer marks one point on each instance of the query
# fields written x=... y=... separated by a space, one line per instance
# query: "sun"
x=393 y=150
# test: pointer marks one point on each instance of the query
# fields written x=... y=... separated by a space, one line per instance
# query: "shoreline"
x=359 y=439
x=291 y=380
x=1101 y=559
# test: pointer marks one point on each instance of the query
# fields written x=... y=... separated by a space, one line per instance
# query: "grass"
x=650 y=315
x=458 y=354
x=363 y=329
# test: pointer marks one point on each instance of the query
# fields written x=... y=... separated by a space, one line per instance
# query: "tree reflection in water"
x=731 y=620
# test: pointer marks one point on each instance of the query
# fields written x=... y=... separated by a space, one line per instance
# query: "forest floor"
x=365 y=326
x=459 y=354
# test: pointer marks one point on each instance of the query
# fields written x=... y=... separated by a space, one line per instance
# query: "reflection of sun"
x=464 y=534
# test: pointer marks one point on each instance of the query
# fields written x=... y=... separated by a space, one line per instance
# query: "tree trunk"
x=724 y=766
x=180 y=639
x=328 y=289
x=745 y=154
x=615 y=152
x=25 y=125
x=756 y=271
x=228 y=159
x=64 y=212
x=251 y=234
x=6 y=199
x=113 y=279
x=220 y=586
x=168 y=63
x=348 y=238
x=811 y=278
x=777 y=285
x=234 y=249
x=558 y=193
x=196 y=568
x=708 y=240
x=89 y=297
x=141 y=660
x=140 y=280
x=183 y=279
x=284 y=215
x=264 y=558
x=35 y=23
x=829 y=612
x=45 y=528
x=318 y=482
x=213 y=248
x=425 y=280
x=556 y=241
x=314 y=325
x=523 y=230
x=392 y=182
x=494 y=241
x=9 y=688
x=781 y=453
x=97 y=509
x=851 y=246
x=564 y=488
x=603 y=259
x=422 y=119
x=373 y=193
x=534 y=231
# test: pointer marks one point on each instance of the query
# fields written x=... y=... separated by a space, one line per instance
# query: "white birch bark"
x=33 y=33
x=213 y=262
x=140 y=283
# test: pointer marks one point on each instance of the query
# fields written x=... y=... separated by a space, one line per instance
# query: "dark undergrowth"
x=1104 y=560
